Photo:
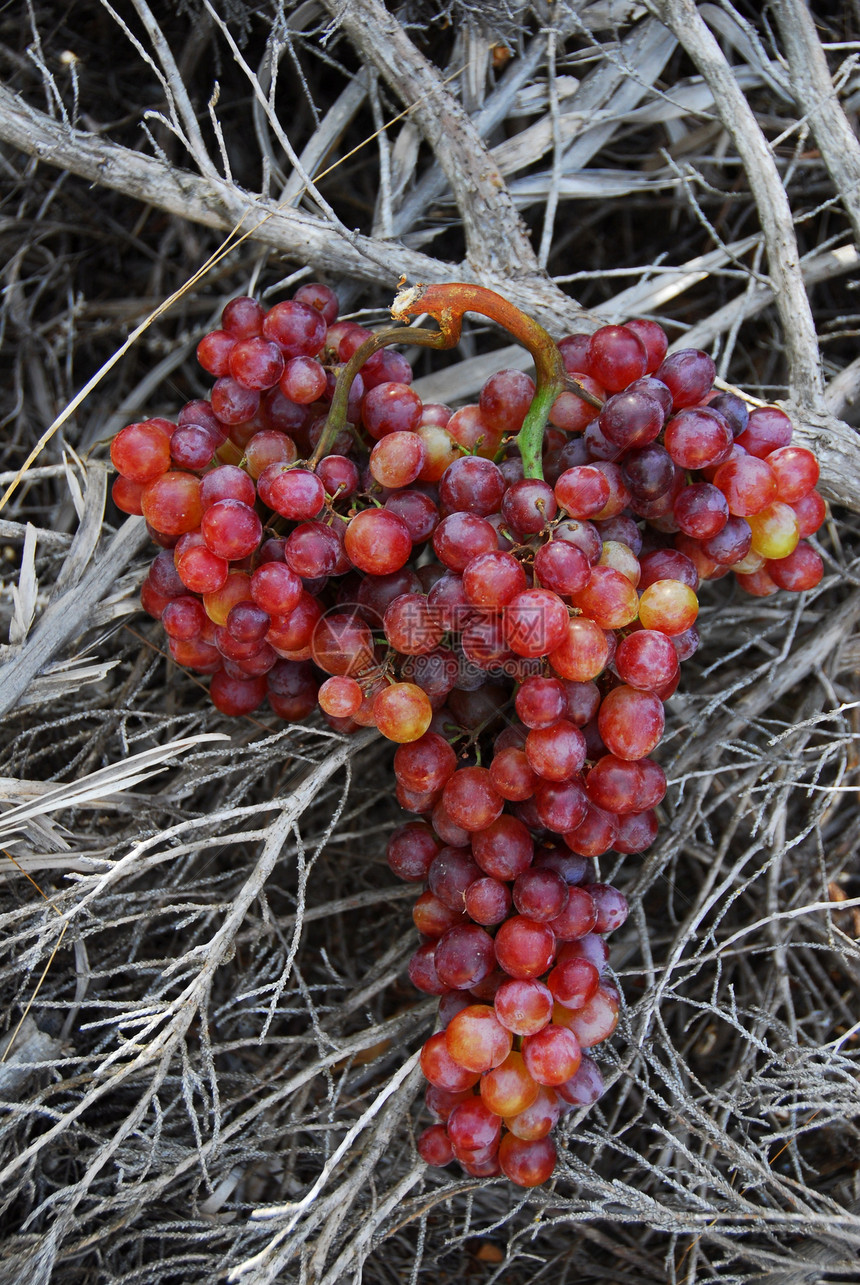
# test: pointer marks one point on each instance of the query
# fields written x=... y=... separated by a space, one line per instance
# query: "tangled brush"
x=210 y=1033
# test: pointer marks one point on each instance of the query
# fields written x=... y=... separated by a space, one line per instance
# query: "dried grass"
x=208 y=1060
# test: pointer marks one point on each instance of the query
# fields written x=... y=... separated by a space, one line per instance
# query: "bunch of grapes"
x=507 y=591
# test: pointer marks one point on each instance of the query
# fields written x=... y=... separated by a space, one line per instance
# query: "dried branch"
x=69 y=614
x=818 y=100
x=298 y=236
x=497 y=243
x=684 y=20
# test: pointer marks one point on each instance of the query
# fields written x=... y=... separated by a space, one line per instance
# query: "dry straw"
x=208 y=1061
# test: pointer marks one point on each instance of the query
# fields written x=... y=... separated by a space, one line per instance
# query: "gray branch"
x=300 y=237
x=496 y=238
x=684 y=20
x=816 y=98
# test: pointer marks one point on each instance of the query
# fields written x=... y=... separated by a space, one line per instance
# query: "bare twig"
x=497 y=243
x=817 y=99
x=68 y=614
x=774 y=211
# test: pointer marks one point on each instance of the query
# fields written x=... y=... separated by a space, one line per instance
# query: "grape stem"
x=337 y=421
x=448 y=304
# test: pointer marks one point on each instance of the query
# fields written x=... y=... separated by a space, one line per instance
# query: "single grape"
x=556 y=753
x=464 y=957
x=667 y=564
x=768 y=429
x=493 y=579
x=559 y=805
x=759 y=583
x=297 y=329
x=583 y=653
x=471 y=801
x=631 y=722
x=775 y=531
x=377 y=541
x=635 y=832
x=193 y=447
x=730 y=545
x=315 y=295
x=701 y=510
x=529 y=505
x=524 y=948
x=616 y=356
x=749 y=484
x=648 y=472
x=615 y=784
x=172 y=503
x=434 y=1146
x=810 y=513
x=562 y=567
x=688 y=374
x=441 y=1102
x=341 y=643
x=183 y=617
x=539 y=1119
x=460 y=537
x=127 y=495
x=579 y=915
x=698 y=438
x=476 y=1039
x=631 y=419
x=608 y=599
x=432 y=917
x=213 y=352
x=511 y=775
x=796 y=472
x=141 y=452
x=646 y=660
x=541 y=702
x=571 y=412
x=231 y=529
x=523 y=1005
x=402 y=712
x=468 y=428
x=668 y=606
x=487 y=901
x=585 y=1087
x=390 y=407
x=472 y=1126
x=801 y=569
x=552 y=1055
x=256 y=363
x=505 y=399
x=441 y=1069
x=597 y=1019
x=535 y=622
x=235 y=696
x=386 y=366
x=540 y=894
x=422 y=971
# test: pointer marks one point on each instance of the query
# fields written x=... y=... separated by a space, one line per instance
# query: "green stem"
x=530 y=436
x=337 y=420
x=448 y=303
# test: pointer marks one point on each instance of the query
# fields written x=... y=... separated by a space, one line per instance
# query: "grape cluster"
x=401 y=566
x=517 y=1009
